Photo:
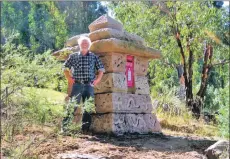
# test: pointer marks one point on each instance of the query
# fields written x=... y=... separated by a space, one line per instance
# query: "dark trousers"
x=82 y=92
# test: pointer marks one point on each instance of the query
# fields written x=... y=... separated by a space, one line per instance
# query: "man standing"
x=79 y=70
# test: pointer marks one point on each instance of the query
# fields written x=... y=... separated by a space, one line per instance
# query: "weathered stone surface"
x=122 y=103
x=107 y=33
x=125 y=123
x=121 y=46
x=112 y=82
x=75 y=155
x=141 y=84
x=218 y=150
x=73 y=40
x=114 y=63
x=105 y=21
x=63 y=54
x=141 y=65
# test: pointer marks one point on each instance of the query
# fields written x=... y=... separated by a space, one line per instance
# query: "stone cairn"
x=122 y=100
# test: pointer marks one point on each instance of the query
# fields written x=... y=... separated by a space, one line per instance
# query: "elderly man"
x=79 y=70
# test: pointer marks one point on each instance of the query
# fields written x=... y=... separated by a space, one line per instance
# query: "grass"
x=32 y=108
x=185 y=124
x=49 y=99
x=170 y=122
x=34 y=105
x=51 y=95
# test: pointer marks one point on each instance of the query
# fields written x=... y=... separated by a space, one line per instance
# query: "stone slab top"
x=125 y=47
x=105 y=21
x=106 y=33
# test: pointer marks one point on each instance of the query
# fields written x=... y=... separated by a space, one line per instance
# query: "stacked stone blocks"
x=122 y=100
x=121 y=108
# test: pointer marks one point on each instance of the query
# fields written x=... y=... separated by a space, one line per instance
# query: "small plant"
x=89 y=105
x=69 y=126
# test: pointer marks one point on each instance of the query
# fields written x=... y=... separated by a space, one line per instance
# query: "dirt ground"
x=47 y=145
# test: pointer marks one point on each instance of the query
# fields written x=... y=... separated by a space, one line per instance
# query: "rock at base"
x=75 y=155
x=218 y=150
x=119 y=124
x=123 y=103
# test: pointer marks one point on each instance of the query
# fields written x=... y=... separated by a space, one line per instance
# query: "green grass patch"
x=185 y=123
x=52 y=96
x=30 y=106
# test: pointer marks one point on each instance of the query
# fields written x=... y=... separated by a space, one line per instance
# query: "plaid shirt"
x=83 y=66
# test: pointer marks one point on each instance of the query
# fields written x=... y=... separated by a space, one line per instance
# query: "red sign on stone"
x=130 y=70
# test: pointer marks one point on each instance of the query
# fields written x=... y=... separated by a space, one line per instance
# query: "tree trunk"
x=187 y=75
x=198 y=101
x=193 y=104
x=189 y=93
x=205 y=71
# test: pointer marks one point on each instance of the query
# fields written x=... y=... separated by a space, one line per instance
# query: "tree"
x=40 y=24
x=47 y=26
x=15 y=18
x=79 y=14
x=185 y=33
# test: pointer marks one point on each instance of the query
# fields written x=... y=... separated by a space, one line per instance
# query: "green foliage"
x=215 y=99
x=22 y=105
x=223 y=117
x=46 y=25
x=40 y=107
x=69 y=127
x=155 y=26
x=30 y=106
x=168 y=101
x=198 y=22
x=162 y=79
x=41 y=71
x=40 y=25
x=89 y=105
x=79 y=14
x=15 y=18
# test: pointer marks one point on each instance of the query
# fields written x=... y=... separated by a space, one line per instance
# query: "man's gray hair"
x=79 y=41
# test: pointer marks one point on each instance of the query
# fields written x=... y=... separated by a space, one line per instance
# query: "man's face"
x=84 y=45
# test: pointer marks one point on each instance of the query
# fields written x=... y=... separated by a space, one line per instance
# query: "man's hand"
x=95 y=82
x=67 y=98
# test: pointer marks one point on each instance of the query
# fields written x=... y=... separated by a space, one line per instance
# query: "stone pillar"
x=122 y=100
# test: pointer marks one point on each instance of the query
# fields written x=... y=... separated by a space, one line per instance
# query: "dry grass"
x=185 y=124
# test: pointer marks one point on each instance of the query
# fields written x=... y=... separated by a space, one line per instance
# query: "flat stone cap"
x=105 y=21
